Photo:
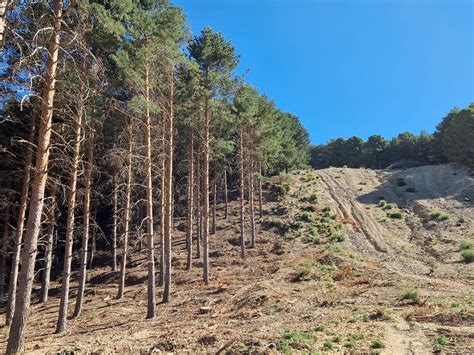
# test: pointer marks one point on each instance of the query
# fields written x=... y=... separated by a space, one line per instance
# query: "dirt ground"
x=372 y=284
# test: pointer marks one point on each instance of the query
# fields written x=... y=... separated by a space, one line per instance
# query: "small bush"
x=440 y=342
x=410 y=295
x=396 y=215
x=328 y=346
x=468 y=256
x=350 y=345
x=390 y=206
x=337 y=238
x=400 y=182
x=466 y=246
x=377 y=344
x=382 y=203
x=410 y=190
x=438 y=216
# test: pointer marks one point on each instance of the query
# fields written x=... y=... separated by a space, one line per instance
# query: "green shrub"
x=350 y=345
x=377 y=344
x=410 y=190
x=305 y=216
x=382 y=203
x=400 y=182
x=328 y=346
x=466 y=246
x=410 y=295
x=395 y=215
x=313 y=197
x=309 y=208
x=338 y=238
x=468 y=256
x=390 y=206
x=438 y=216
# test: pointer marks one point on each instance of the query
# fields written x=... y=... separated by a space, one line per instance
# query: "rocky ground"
x=330 y=271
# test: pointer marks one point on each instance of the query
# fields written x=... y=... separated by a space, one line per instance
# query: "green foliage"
x=457 y=139
x=466 y=246
x=382 y=203
x=328 y=346
x=412 y=295
x=377 y=344
x=439 y=216
x=395 y=215
x=292 y=338
x=468 y=256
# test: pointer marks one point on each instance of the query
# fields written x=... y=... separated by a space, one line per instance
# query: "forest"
x=116 y=120
x=452 y=141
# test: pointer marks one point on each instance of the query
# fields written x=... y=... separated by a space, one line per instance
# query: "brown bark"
x=205 y=213
x=168 y=186
x=4 y=254
x=93 y=246
x=20 y=317
x=241 y=193
x=85 y=226
x=226 y=198
x=214 y=207
x=151 y=309
x=260 y=193
x=161 y=279
x=251 y=198
x=71 y=206
x=18 y=236
x=128 y=212
x=198 y=202
x=115 y=227
x=189 y=230
x=48 y=254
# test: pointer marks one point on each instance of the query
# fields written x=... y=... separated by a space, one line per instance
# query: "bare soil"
x=299 y=290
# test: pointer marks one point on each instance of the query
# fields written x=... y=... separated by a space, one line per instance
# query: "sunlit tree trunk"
x=18 y=236
x=251 y=198
x=260 y=193
x=189 y=230
x=115 y=226
x=71 y=206
x=128 y=212
x=161 y=279
x=48 y=254
x=3 y=260
x=168 y=186
x=149 y=203
x=17 y=329
x=205 y=214
x=85 y=226
x=198 y=202
x=3 y=12
x=241 y=193
x=226 y=198
x=214 y=207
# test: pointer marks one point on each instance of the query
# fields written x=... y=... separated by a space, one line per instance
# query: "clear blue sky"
x=351 y=67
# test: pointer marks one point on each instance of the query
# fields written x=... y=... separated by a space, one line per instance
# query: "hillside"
x=329 y=271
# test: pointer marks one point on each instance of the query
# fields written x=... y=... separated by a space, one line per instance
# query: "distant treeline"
x=453 y=141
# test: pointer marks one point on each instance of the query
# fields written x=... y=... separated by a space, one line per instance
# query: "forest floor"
x=329 y=272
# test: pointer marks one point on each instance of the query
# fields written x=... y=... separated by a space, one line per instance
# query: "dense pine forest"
x=115 y=121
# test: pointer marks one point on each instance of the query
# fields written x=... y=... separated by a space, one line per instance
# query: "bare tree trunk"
x=115 y=227
x=161 y=280
x=189 y=230
x=18 y=236
x=17 y=329
x=85 y=226
x=48 y=257
x=3 y=262
x=205 y=236
x=168 y=186
x=151 y=309
x=241 y=193
x=251 y=198
x=226 y=199
x=3 y=13
x=93 y=246
x=71 y=206
x=260 y=193
x=128 y=212
x=198 y=202
x=214 y=207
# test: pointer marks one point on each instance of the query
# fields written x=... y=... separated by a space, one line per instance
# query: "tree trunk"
x=115 y=227
x=3 y=13
x=85 y=226
x=168 y=186
x=71 y=206
x=251 y=198
x=226 y=199
x=151 y=309
x=161 y=280
x=214 y=207
x=4 y=255
x=205 y=234
x=18 y=236
x=260 y=193
x=198 y=202
x=93 y=246
x=17 y=329
x=189 y=230
x=48 y=254
x=128 y=212
x=241 y=193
